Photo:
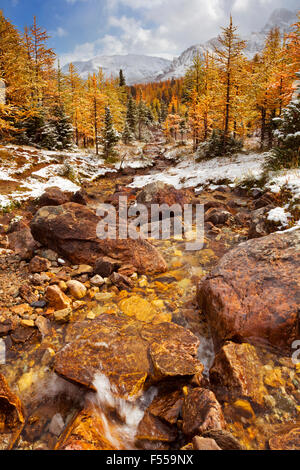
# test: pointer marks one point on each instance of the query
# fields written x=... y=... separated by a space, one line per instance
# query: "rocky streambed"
x=118 y=344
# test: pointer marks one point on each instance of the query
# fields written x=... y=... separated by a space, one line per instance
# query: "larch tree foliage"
x=12 y=67
x=73 y=95
x=97 y=103
x=41 y=59
x=192 y=90
x=272 y=80
x=228 y=54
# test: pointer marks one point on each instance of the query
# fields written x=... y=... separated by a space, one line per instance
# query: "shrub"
x=217 y=146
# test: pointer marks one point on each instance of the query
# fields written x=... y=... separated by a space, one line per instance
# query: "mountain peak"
x=144 y=69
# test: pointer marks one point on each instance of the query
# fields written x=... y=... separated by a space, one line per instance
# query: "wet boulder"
x=237 y=372
x=88 y=431
x=201 y=412
x=11 y=416
x=127 y=351
x=71 y=231
x=161 y=193
x=286 y=440
x=253 y=293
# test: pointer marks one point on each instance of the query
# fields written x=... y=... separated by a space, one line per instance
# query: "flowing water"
x=170 y=297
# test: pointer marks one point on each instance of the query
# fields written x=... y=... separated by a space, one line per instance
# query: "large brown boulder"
x=253 y=293
x=132 y=354
x=161 y=193
x=70 y=230
x=54 y=196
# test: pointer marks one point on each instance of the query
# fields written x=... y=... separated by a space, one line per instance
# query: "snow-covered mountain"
x=280 y=17
x=145 y=69
x=136 y=68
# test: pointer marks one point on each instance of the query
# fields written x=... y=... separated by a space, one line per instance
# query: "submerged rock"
x=238 y=372
x=11 y=416
x=70 y=230
x=159 y=193
x=132 y=354
x=288 y=440
x=201 y=412
x=88 y=431
x=253 y=293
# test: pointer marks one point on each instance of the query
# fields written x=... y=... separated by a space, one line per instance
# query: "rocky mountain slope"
x=137 y=68
x=280 y=17
x=145 y=69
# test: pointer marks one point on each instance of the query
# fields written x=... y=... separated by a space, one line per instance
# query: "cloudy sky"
x=81 y=29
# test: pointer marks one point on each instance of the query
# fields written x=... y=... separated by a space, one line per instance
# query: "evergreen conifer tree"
x=109 y=137
x=122 y=81
x=131 y=115
x=287 y=153
x=127 y=136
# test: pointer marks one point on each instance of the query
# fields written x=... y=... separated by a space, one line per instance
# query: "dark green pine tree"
x=109 y=137
x=122 y=81
x=63 y=127
x=142 y=117
x=127 y=135
x=164 y=111
x=287 y=152
x=131 y=115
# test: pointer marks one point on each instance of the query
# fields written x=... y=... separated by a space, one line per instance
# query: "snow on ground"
x=189 y=173
x=33 y=188
x=279 y=216
x=54 y=172
x=289 y=179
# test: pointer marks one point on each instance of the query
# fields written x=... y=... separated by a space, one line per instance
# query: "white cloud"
x=59 y=32
x=81 y=52
x=166 y=27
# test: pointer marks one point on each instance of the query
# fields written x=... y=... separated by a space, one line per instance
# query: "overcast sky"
x=81 y=29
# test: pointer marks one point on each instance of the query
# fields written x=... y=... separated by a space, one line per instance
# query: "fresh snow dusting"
x=33 y=188
x=289 y=179
x=279 y=216
x=54 y=172
x=192 y=174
